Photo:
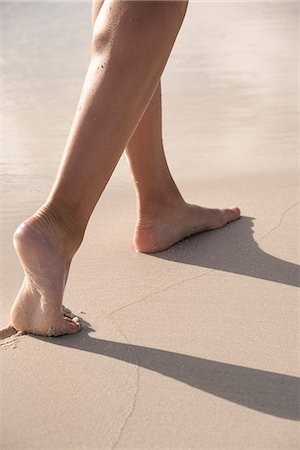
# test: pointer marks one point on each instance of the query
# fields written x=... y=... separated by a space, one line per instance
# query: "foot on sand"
x=158 y=231
x=45 y=254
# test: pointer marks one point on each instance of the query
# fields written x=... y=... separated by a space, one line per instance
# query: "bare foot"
x=159 y=231
x=46 y=259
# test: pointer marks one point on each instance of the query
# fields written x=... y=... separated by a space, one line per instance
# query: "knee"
x=101 y=38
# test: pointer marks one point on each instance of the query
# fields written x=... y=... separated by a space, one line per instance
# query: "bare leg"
x=163 y=217
x=131 y=42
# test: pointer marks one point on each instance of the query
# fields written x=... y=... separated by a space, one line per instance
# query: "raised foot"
x=38 y=306
x=164 y=229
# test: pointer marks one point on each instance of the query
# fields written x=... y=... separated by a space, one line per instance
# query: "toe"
x=237 y=212
x=231 y=214
x=66 y=326
x=67 y=312
x=73 y=325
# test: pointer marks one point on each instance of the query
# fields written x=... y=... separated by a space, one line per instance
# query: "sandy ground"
x=195 y=347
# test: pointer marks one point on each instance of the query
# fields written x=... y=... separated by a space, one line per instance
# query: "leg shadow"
x=268 y=392
x=232 y=249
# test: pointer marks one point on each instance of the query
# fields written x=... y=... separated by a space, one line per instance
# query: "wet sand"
x=195 y=347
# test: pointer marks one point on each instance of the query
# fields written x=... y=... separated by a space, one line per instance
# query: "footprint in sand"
x=9 y=338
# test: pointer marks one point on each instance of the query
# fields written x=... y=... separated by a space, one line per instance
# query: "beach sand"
x=195 y=347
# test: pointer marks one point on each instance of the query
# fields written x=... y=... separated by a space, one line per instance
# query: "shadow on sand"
x=230 y=249
x=233 y=249
x=271 y=393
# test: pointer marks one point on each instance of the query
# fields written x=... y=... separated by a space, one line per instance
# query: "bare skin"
x=46 y=261
x=163 y=217
x=47 y=241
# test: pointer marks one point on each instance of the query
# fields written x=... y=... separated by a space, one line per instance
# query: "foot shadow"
x=232 y=249
x=267 y=392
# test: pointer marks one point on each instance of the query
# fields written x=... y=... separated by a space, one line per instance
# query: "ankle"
x=152 y=208
x=57 y=226
x=64 y=221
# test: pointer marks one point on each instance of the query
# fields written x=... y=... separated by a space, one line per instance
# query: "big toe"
x=231 y=214
x=66 y=326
